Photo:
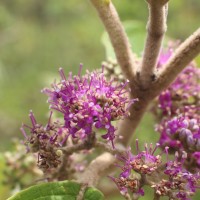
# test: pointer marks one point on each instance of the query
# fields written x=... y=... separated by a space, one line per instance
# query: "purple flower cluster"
x=128 y=184
x=167 y=178
x=178 y=113
x=89 y=102
x=164 y=56
x=44 y=140
x=144 y=163
x=180 y=132
x=184 y=91
x=179 y=184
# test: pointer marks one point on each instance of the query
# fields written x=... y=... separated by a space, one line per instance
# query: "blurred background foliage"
x=37 y=37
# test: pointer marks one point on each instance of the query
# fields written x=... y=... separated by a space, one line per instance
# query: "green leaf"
x=92 y=194
x=64 y=190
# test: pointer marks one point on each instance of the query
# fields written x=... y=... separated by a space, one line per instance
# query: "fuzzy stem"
x=109 y=149
x=82 y=192
x=183 y=55
x=156 y=27
x=89 y=143
x=96 y=169
x=118 y=37
x=127 y=126
x=72 y=149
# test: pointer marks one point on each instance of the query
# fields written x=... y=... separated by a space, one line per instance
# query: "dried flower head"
x=44 y=140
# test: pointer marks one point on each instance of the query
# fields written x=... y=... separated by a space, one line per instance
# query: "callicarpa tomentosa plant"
x=101 y=110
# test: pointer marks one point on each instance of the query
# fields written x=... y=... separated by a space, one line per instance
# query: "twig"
x=127 y=197
x=96 y=169
x=109 y=148
x=74 y=148
x=82 y=192
x=183 y=55
x=87 y=144
x=63 y=172
x=118 y=37
x=156 y=27
x=127 y=126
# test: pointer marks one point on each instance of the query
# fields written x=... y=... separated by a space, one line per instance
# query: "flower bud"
x=188 y=132
x=195 y=127
x=190 y=141
x=59 y=153
x=168 y=131
x=192 y=122
x=198 y=145
x=182 y=134
x=186 y=123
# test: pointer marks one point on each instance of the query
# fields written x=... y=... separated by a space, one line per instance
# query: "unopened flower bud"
x=190 y=141
x=198 y=144
x=195 y=127
x=192 y=122
x=182 y=134
x=59 y=153
x=168 y=131
x=185 y=122
x=188 y=132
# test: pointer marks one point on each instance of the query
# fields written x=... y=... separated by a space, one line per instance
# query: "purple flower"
x=180 y=132
x=164 y=56
x=128 y=184
x=89 y=102
x=175 y=124
x=196 y=156
x=184 y=91
x=179 y=183
x=145 y=162
x=183 y=183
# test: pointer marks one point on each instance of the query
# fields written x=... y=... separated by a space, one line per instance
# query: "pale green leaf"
x=64 y=190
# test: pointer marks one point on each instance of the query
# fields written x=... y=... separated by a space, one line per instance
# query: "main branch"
x=156 y=28
x=118 y=37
